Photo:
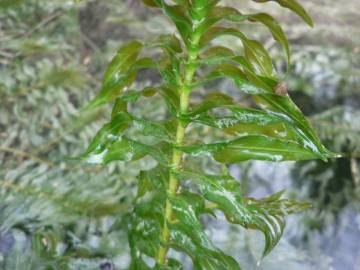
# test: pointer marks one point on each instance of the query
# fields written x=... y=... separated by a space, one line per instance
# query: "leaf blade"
x=257 y=147
x=266 y=215
x=294 y=6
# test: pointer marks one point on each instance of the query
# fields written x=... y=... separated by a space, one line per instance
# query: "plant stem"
x=176 y=164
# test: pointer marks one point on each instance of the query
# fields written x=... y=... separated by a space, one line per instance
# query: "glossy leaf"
x=224 y=13
x=253 y=147
x=179 y=16
x=284 y=123
x=216 y=55
x=119 y=74
x=168 y=42
x=120 y=80
x=266 y=215
x=262 y=148
x=233 y=15
x=248 y=122
x=221 y=55
x=294 y=6
x=244 y=80
x=144 y=230
x=254 y=51
x=242 y=74
x=123 y=69
x=275 y=30
x=228 y=63
x=147 y=217
x=169 y=64
x=187 y=235
x=283 y=107
x=109 y=144
x=211 y=101
x=152 y=180
x=170 y=97
x=169 y=67
x=186 y=231
x=201 y=8
x=166 y=215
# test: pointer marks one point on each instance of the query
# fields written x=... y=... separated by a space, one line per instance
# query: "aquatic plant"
x=172 y=196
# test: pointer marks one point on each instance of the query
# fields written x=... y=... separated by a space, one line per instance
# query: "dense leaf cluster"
x=172 y=198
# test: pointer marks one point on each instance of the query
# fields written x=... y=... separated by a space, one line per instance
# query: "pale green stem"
x=176 y=162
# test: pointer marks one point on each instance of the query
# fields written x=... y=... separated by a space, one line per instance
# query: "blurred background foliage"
x=57 y=213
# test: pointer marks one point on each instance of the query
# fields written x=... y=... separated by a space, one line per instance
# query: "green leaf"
x=168 y=42
x=295 y=7
x=165 y=216
x=188 y=236
x=283 y=107
x=123 y=149
x=266 y=215
x=186 y=231
x=150 y=3
x=255 y=53
x=169 y=64
x=168 y=93
x=256 y=147
x=281 y=119
x=109 y=144
x=222 y=57
x=216 y=55
x=147 y=218
x=201 y=8
x=243 y=121
x=153 y=180
x=144 y=231
x=179 y=16
x=217 y=14
x=275 y=30
x=262 y=148
x=125 y=56
x=233 y=15
x=247 y=81
x=274 y=210
x=120 y=73
x=169 y=67
x=248 y=122
x=211 y=101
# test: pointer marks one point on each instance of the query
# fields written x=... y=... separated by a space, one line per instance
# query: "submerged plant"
x=172 y=197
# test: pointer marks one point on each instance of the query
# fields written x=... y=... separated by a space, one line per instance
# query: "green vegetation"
x=167 y=211
x=59 y=213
